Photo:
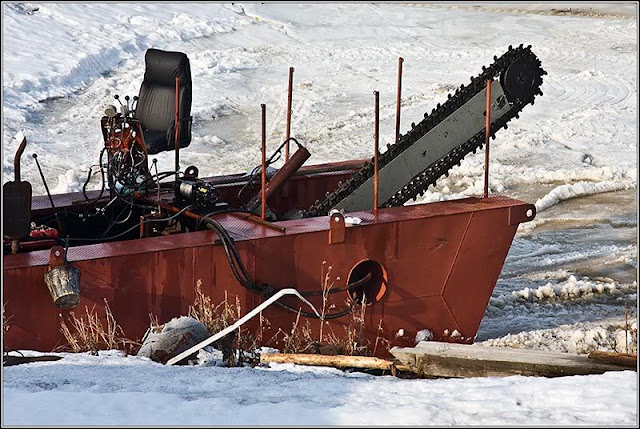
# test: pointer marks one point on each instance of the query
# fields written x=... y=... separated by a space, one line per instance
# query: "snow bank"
x=583 y=338
x=110 y=390
x=570 y=289
x=580 y=189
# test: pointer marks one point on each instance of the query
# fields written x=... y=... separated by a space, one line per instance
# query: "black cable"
x=113 y=222
x=244 y=278
x=268 y=162
x=133 y=227
x=84 y=187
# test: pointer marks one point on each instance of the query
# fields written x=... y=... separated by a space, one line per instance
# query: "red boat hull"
x=441 y=262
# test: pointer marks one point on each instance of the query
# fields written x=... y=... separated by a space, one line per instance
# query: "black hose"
x=133 y=227
x=268 y=162
x=244 y=278
x=84 y=187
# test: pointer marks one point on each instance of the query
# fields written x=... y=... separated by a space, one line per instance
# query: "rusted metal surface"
x=263 y=165
x=282 y=176
x=376 y=163
x=16 y=159
x=287 y=134
x=398 y=97
x=302 y=189
x=56 y=257
x=487 y=134
x=16 y=199
x=464 y=242
x=256 y=219
x=336 y=228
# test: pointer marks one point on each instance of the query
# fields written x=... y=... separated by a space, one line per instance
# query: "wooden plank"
x=435 y=359
x=335 y=361
x=10 y=360
x=627 y=360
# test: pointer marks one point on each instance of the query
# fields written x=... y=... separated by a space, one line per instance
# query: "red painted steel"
x=263 y=165
x=398 y=97
x=487 y=134
x=282 y=176
x=337 y=228
x=376 y=165
x=287 y=133
x=441 y=261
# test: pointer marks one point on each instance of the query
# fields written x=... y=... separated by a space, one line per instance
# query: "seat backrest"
x=156 y=104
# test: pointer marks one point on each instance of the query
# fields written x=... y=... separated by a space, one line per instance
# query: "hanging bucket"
x=63 y=282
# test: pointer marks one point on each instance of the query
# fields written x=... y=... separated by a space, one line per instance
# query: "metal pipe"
x=287 y=134
x=240 y=322
x=400 y=61
x=255 y=219
x=263 y=167
x=176 y=128
x=283 y=174
x=44 y=181
x=191 y=215
x=16 y=160
x=46 y=188
x=486 y=139
x=170 y=208
x=376 y=133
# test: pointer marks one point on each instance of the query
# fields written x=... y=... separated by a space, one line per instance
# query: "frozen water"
x=569 y=273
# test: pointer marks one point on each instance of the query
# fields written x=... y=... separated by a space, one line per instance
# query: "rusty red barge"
x=143 y=242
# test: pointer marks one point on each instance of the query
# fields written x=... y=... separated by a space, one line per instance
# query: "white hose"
x=239 y=323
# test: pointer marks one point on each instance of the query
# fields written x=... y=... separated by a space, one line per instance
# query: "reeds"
x=238 y=347
x=88 y=334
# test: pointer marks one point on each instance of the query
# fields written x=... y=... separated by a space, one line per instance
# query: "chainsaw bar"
x=520 y=74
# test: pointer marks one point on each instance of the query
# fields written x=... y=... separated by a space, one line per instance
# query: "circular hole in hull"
x=372 y=289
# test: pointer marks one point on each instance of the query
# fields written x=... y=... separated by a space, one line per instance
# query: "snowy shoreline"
x=115 y=390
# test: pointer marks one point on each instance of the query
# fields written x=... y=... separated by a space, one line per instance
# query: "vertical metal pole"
x=289 y=112
x=263 y=171
x=486 y=139
x=376 y=133
x=626 y=329
x=176 y=128
x=400 y=61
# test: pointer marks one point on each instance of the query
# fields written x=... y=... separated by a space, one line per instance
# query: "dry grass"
x=214 y=317
x=237 y=347
x=5 y=321
x=350 y=342
x=298 y=340
x=88 y=334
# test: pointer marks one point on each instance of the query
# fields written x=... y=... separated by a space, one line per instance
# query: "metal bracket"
x=521 y=214
x=56 y=257
x=337 y=228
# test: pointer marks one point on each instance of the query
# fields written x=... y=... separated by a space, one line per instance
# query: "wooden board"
x=622 y=359
x=435 y=359
x=10 y=360
x=335 y=361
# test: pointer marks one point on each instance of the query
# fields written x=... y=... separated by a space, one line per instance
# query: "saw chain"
x=520 y=75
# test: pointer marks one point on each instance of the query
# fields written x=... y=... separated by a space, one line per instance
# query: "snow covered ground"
x=84 y=390
x=569 y=275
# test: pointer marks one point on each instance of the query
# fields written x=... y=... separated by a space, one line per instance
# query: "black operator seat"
x=156 y=104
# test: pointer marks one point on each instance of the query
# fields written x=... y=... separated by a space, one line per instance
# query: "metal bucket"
x=64 y=285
